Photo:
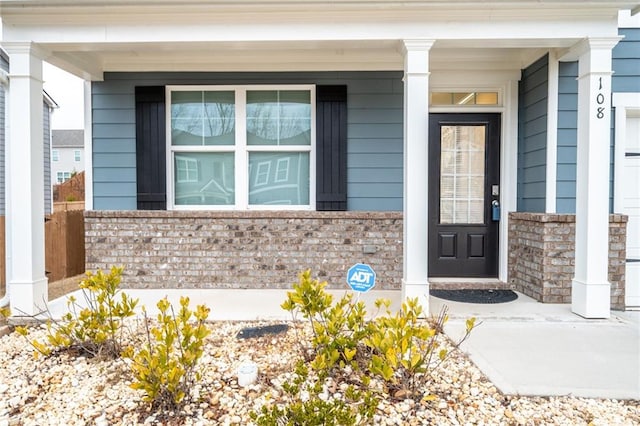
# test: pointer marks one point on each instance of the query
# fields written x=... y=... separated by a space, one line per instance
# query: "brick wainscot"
x=255 y=249
x=267 y=249
x=541 y=256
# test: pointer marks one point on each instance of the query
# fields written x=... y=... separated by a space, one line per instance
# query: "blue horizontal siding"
x=626 y=78
x=626 y=62
x=374 y=146
x=567 y=137
x=532 y=136
x=46 y=139
x=4 y=65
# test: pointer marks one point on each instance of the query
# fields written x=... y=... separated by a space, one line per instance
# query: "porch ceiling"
x=91 y=60
x=90 y=37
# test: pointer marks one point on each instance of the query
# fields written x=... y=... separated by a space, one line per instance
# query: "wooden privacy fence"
x=64 y=244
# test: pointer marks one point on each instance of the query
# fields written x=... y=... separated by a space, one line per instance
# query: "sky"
x=67 y=91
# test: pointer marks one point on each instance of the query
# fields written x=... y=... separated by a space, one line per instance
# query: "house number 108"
x=600 y=101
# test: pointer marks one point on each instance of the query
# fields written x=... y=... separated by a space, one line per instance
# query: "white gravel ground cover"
x=70 y=390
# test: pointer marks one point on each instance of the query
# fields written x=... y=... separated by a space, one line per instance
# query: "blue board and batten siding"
x=625 y=79
x=374 y=147
x=532 y=136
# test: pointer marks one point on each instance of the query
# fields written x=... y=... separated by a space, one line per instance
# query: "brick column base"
x=541 y=256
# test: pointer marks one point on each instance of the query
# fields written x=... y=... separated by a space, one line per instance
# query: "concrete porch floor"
x=524 y=347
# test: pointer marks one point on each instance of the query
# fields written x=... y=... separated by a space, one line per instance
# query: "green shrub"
x=406 y=349
x=338 y=329
x=402 y=348
x=95 y=329
x=355 y=407
x=165 y=368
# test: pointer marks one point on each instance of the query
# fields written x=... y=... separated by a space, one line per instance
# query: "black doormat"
x=476 y=295
x=249 y=332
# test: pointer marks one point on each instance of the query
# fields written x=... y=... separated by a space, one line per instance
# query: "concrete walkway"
x=530 y=348
x=524 y=347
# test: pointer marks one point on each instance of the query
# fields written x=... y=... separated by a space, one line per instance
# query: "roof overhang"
x=90 y=37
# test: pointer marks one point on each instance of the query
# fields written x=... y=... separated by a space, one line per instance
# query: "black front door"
x=464 y=176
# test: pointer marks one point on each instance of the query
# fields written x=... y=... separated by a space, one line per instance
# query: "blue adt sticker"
x=361 y=277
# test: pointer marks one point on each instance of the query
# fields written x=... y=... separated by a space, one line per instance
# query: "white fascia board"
x=486 y=33
x=25 y=8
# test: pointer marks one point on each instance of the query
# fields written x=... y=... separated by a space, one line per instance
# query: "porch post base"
x=28 y=298
x=590 y=300
x=419 y=290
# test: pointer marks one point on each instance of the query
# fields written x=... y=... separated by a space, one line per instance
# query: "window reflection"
x=203 y=118
x=278 y=117
x=204 y=178
x=279 y=178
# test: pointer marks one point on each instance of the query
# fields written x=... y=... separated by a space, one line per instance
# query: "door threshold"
x=452 y=283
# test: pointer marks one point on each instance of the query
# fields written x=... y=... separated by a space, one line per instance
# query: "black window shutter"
x=151 y=148
x=331 y=147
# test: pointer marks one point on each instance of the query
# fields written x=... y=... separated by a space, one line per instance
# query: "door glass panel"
x=462 y=174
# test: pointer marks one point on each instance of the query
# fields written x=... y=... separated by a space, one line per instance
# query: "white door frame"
x=506 y=84
x=626 y=105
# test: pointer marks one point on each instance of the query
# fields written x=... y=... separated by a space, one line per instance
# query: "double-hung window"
x=241 y=147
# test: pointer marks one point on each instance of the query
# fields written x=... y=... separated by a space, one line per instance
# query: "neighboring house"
x=67 y=154
x=233 y=144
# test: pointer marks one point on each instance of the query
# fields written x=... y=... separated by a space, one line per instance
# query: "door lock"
x=495 y=210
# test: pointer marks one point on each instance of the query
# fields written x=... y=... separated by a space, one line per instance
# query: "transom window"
x=464 y=98
x=241 y=147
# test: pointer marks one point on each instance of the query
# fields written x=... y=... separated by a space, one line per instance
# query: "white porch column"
x=416 y=123
x=25 y=181
x=590 y=289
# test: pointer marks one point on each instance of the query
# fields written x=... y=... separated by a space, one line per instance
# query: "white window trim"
x=77 y=156
x=55 y=155
x=241 y=161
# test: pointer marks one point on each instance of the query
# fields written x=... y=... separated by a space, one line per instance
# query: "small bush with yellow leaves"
x=165 y=368
x=95 y=327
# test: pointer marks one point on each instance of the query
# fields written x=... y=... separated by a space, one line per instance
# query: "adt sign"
x=361 y=277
